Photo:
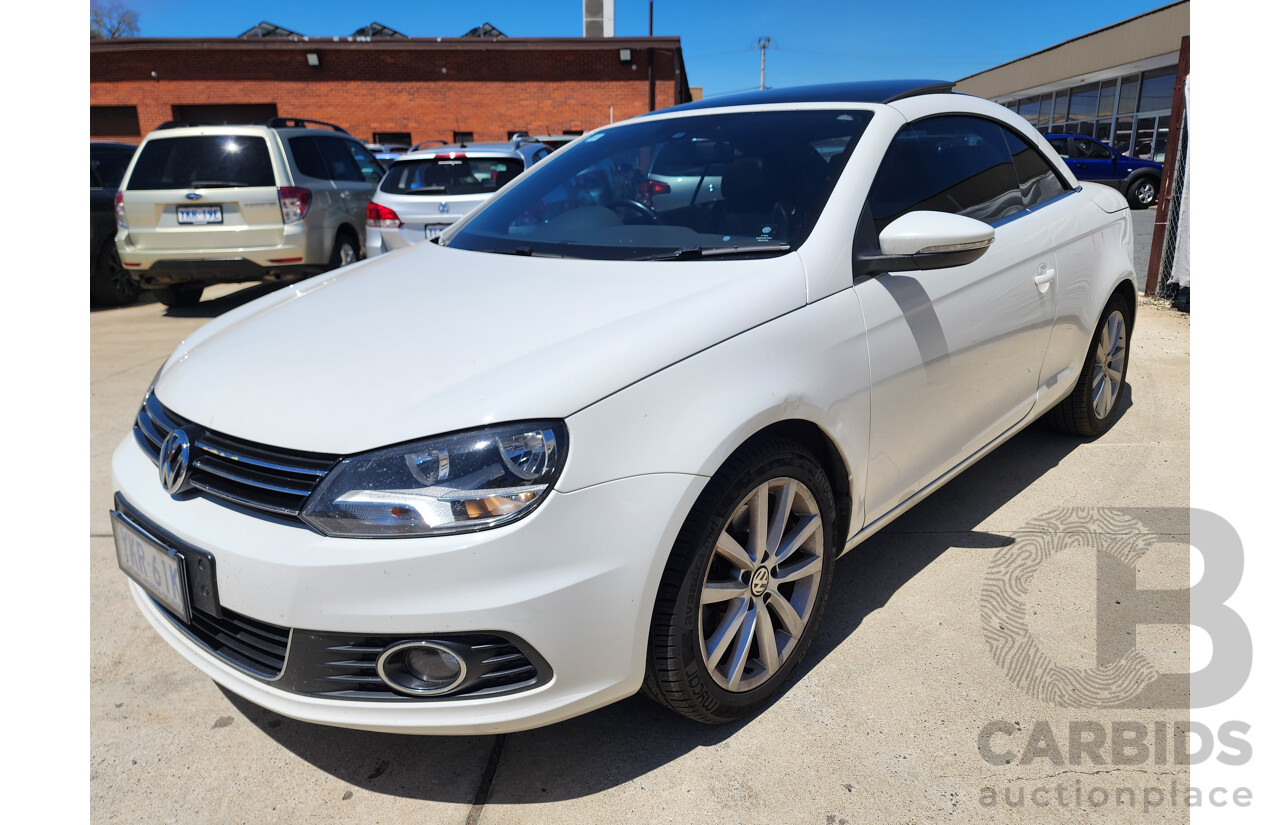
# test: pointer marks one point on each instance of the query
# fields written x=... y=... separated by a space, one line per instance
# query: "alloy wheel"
x=761 y=584
x=1108 y=364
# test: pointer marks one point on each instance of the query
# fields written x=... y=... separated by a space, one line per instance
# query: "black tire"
x=110 y=284
x=1079 y=413
x=180 y=295
x=1143 y=192
x=688 y=614
x=346 y=250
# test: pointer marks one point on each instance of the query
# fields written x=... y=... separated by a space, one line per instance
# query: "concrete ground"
x=882 y=722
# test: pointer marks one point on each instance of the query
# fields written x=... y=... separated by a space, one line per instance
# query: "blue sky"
x=816 y=41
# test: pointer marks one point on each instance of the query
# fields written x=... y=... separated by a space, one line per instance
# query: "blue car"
x=1094 y=160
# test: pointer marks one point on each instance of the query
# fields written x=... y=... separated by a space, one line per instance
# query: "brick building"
x=384 y=89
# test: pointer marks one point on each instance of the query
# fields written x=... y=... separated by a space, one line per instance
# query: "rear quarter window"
x=203 y=161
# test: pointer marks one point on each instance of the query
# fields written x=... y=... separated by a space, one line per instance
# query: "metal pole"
x=653 y=104
x=762 y=43
x=1173 y=148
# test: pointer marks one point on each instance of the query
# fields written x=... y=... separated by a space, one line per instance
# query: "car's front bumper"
x=575 y=580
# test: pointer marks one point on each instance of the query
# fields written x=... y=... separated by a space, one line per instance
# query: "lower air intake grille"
x=255 y=647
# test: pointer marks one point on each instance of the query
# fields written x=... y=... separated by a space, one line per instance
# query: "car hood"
x=430 y=340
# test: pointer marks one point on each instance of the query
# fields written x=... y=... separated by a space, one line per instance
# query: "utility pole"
x=652 y=91
x=762 y=43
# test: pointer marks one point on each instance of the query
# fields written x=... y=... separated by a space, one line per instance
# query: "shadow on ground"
x=214 y=307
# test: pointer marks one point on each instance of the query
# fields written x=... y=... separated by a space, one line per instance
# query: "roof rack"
x=301 y=123
x=424 y=144
x=174 y=124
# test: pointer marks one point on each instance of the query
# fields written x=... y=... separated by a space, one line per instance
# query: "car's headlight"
x=448 y=484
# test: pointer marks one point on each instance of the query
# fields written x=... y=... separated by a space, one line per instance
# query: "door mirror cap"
x=927 y=240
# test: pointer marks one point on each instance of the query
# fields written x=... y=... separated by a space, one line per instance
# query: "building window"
x=1128 y=96
x=114 y=121
x=464 y=137
x=1157 y=91
x=398 y=138
x=1084 y=102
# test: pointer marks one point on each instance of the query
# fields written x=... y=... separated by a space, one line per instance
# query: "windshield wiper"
x=526 y=251
x=216 y=184
x=690 y=253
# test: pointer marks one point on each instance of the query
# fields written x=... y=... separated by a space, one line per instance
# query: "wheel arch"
x=825 y=451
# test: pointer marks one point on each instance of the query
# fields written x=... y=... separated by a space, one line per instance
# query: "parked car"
x=1094 y=160
x=426 y=190
x=109 y=283
x=386 y=153
x=224 y=204
x=580 y=447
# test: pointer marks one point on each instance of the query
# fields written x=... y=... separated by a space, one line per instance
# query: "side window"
x=1091 y=151
x=1036 y=178
x=1060 y=146
x=953 y=164
x=338 y=161
x=368 y=165
x=307 y=156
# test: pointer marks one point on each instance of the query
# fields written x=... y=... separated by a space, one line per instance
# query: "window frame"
x=1026 y=210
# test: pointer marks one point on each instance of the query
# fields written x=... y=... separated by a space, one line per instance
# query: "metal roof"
x=866 y=91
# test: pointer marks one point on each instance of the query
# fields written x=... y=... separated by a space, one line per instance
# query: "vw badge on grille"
x=175 y=457
x=443 y=207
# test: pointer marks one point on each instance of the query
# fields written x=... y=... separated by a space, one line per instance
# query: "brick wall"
x=426 y=88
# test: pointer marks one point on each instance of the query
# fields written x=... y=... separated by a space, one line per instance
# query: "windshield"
x=453 y=174
x=691 y=187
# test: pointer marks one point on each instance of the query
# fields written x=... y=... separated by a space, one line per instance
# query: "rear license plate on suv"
x=199 y=214
x=160 y=570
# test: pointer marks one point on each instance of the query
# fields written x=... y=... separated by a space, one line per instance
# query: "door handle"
x=1044 y=279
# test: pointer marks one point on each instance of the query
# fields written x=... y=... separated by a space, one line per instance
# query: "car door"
x=1090 y=160
x=355 y=175
x=955 y=354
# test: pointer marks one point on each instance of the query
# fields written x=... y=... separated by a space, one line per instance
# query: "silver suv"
x=427 y=189
x=223 y=204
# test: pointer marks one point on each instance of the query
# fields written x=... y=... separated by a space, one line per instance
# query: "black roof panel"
x=865 y=91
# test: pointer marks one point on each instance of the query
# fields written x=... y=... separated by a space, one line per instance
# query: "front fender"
x=810 y=365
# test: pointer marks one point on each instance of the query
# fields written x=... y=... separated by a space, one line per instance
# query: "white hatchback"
x=425 y=190
x=588 y=443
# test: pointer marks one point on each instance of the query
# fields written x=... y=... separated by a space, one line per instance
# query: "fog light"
x=421 y=668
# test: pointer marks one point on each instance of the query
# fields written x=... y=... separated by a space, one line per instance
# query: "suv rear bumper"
x=302 y=253
x=217 y=271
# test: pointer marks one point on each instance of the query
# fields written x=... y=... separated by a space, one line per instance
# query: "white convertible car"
x=593 y=441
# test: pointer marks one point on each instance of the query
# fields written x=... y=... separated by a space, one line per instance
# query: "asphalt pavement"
x=905 y=710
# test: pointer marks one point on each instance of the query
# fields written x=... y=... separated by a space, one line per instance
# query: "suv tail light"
x=375 y=214
x=121 y=220
x=294 y=203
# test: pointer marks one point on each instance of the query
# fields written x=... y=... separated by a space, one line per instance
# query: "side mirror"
x=926 y=240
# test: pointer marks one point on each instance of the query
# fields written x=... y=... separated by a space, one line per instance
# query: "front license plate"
x=158 y=569
x=434 y=229
x=199 y=214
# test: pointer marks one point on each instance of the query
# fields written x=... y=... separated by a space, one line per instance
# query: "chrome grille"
x=233 y=470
